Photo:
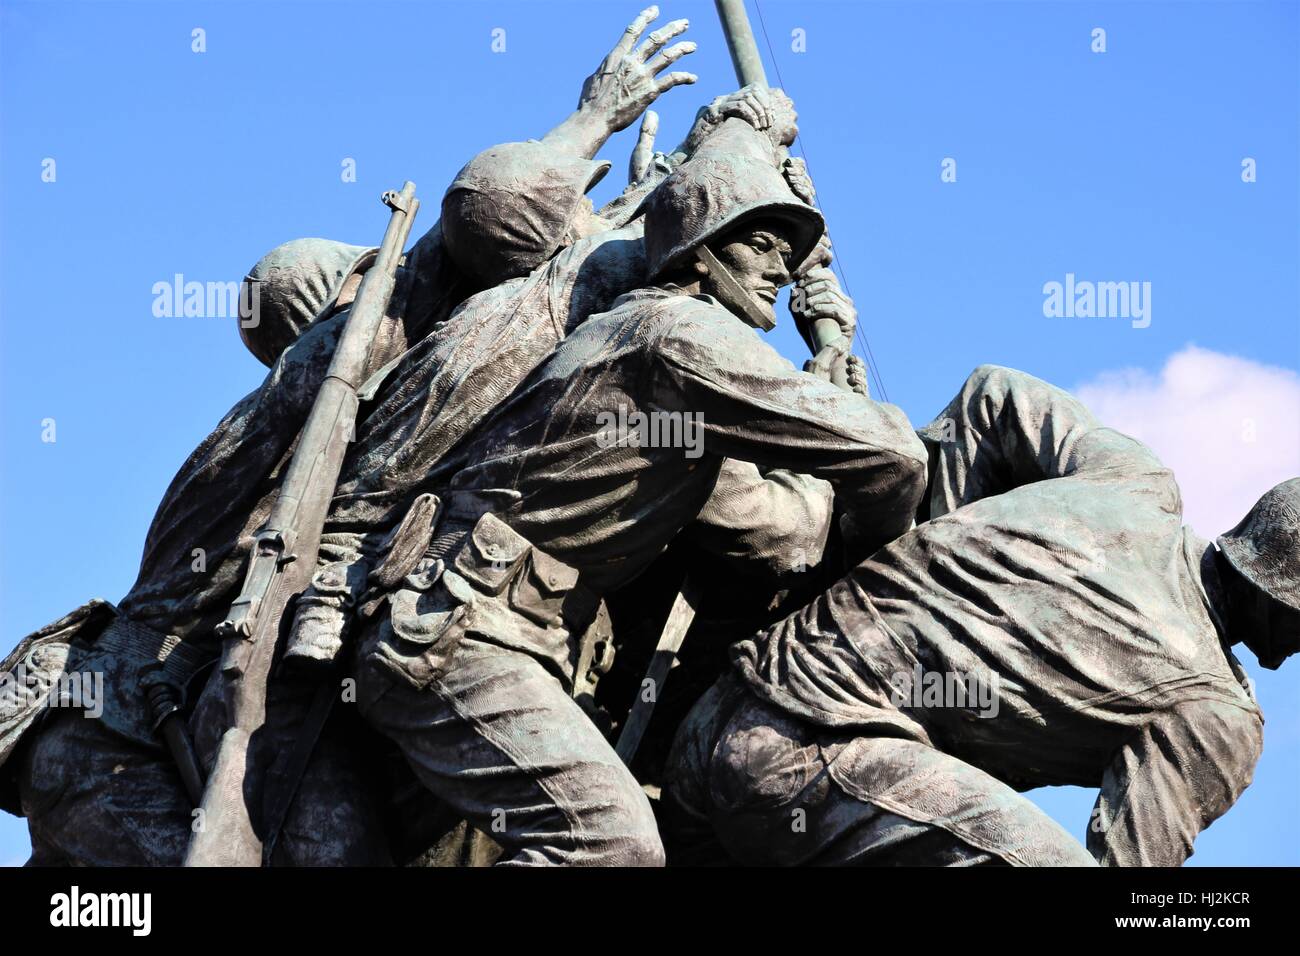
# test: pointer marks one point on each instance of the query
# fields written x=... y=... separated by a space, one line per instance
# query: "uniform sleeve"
x=774 y=524
x=756 y=407
x=1179 y=774
x=1005 y=429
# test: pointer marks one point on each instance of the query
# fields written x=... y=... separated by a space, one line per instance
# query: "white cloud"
x=1229 y=427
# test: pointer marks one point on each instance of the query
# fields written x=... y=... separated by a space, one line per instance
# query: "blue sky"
x=1117 y=166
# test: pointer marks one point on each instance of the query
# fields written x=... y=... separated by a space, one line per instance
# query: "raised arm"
x=757 y=407
x=627 y=81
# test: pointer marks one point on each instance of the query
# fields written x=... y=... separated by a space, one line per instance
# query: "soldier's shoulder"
x=700 y=320
x=665 y=303
x=659 y=314
x=687 y=330
x=1226 y=724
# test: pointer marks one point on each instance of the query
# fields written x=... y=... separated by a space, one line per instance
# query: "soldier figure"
x=1054 y=569
x=468 y=665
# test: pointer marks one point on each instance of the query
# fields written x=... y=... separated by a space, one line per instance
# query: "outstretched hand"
x=627 y=80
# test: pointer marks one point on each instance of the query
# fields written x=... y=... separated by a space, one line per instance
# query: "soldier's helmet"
x=1265 y=546
x=539 y=187
x=296 y=283
x=733 y=179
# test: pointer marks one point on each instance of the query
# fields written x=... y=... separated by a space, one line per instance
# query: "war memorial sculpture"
x=445 y=617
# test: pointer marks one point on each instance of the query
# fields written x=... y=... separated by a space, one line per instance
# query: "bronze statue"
x=419 y=597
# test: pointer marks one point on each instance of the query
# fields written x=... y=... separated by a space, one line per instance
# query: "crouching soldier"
x=1053 y=622
x=580 y=479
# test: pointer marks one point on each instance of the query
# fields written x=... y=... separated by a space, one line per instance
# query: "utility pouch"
x=492 y=555
x=538 y=592
x=408 y=542
x=426 y=619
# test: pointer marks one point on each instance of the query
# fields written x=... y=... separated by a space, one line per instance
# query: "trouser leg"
x=94 y=798
x=335 y=817
x=780 y=791
x=500 y=741
x=952 y=801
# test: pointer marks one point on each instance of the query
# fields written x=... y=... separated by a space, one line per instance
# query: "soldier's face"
x=1269 y=628
x=758 y=258
x=1281 y=625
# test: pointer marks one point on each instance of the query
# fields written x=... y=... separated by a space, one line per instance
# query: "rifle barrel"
x=284 y=558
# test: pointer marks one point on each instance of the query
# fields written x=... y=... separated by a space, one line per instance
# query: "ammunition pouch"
x=489 y=582
x=324 y=609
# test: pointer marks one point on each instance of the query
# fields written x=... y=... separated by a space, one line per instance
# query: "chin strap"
x=735 y=296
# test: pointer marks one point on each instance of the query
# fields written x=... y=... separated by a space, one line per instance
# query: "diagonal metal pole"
x=749 y=71
x=665 y=656
x=741 y=42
